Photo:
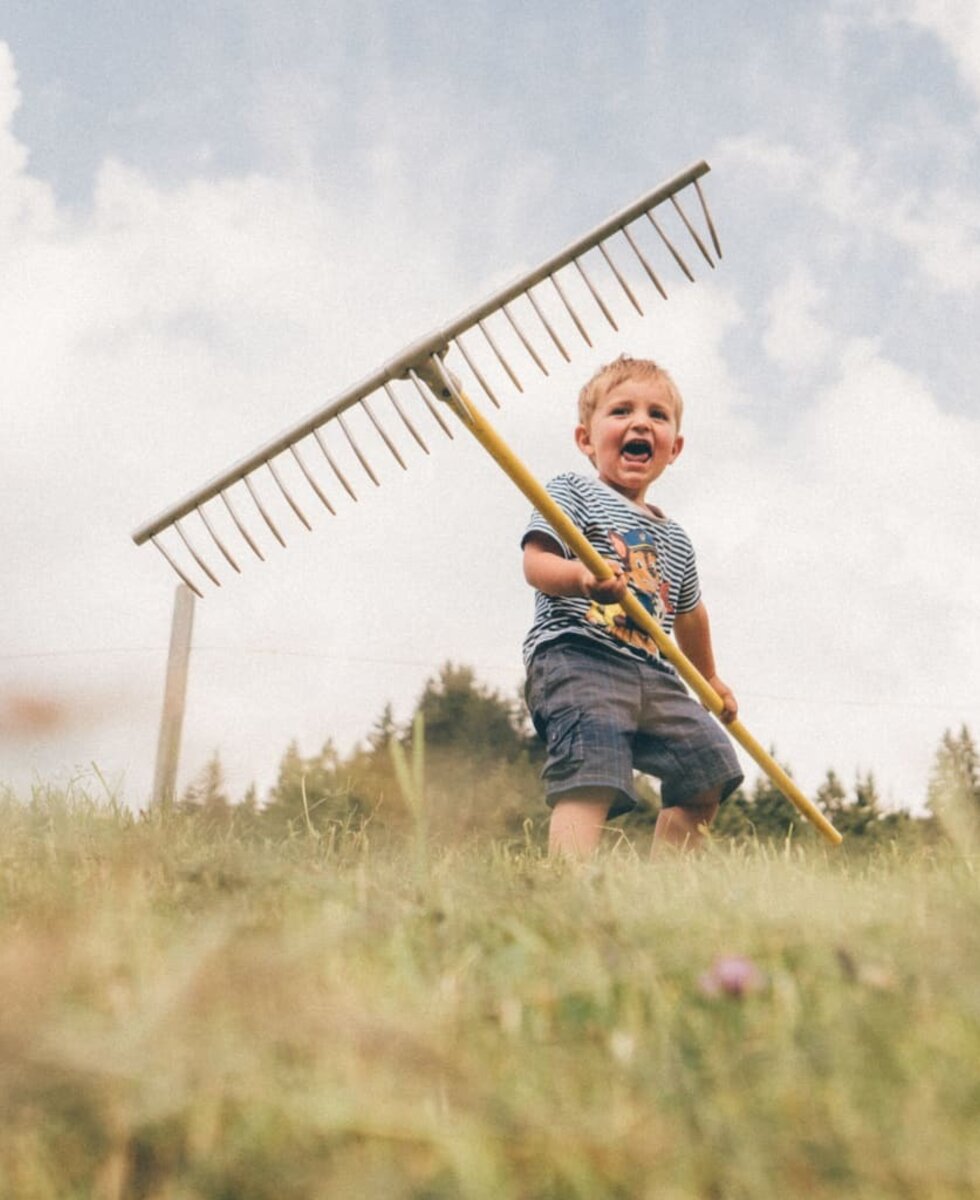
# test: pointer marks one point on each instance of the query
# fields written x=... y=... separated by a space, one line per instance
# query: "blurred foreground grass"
x=189 y=1011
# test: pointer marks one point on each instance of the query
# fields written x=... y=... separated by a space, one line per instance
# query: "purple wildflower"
x=731 y=975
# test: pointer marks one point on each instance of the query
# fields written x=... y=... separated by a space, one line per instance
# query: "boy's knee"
x=704 y=808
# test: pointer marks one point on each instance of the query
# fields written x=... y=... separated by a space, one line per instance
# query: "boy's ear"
x=583 y=440
x=678 y=446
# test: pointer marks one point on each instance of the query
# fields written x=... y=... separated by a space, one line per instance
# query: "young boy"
x=600 y=694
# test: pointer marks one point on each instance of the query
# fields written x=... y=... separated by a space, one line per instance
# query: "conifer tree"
x=206 y=793
x=954 y=788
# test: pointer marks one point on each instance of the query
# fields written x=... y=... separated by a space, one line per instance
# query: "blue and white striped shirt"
x=655 y=552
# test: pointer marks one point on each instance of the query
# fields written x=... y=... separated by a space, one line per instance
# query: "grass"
x=191 y=1011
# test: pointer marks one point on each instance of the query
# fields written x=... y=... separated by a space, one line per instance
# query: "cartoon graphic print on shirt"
x=638 y=556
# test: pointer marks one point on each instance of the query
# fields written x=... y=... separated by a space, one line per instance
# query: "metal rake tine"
x=571 y=311
x=265 y=516
x=242 y=530
x=707 y=217
x=596 y=297
x=503 y=361
x=285 y=491
x=458 y=341
x=544 y=321
x=622 y=282
x=429 y=405
x=214 y=537
x=311 y=481
x=646 y=266
x=670 y=246
x=357 y=451
x=523 y=337
x=194 y=554
x=693 y=232
x=183 y=578
x=333 y=465
x=401 y=412
x=384 y=437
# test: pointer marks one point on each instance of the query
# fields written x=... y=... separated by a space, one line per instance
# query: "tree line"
x=482 y=763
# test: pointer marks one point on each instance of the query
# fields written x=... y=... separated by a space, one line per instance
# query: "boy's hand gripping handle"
x=444 y=385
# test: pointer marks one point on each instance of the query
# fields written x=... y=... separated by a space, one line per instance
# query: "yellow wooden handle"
x=583 y=549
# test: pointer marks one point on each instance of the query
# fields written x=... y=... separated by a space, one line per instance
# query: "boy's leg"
x=576 y=822
x=680 y=828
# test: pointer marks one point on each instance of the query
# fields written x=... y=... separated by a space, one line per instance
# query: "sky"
x=214 y=217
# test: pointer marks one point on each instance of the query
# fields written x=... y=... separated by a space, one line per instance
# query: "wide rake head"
x=541 y=313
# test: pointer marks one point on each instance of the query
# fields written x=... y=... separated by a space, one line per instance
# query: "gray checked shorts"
x=603 y=714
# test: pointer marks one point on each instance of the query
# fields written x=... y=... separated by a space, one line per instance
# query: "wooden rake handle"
x=583 y=549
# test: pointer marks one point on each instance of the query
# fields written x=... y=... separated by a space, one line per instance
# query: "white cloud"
x=955 y=24
x=938 y=225
x=25 y=203
x=796 y=338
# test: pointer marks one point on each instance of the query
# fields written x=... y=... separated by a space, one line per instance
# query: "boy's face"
x=632 y=436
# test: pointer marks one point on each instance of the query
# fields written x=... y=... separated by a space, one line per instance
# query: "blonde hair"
x=618 y=371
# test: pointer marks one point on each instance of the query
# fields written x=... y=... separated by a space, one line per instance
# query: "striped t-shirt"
x=656 y=554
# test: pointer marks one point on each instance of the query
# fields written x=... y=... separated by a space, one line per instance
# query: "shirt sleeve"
x=563 y=489
x=689 y=592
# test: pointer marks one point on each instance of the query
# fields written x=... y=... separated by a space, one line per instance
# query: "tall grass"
x=192 y=1011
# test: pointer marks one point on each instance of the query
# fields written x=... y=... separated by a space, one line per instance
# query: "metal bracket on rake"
x=544 y=310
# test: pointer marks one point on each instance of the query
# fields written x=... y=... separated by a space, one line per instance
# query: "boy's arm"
x=548 y=570
x=693 y=633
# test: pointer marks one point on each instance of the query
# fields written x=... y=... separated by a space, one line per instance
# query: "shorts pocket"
x=564 y=743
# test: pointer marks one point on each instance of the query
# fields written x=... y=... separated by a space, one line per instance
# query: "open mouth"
x=637 y=450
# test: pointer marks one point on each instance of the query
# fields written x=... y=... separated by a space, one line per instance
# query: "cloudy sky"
x=213 y=217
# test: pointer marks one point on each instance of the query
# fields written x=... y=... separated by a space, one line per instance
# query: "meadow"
x=194 y=1009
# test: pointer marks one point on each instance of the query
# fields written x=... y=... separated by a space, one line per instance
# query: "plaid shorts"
x=603 y=714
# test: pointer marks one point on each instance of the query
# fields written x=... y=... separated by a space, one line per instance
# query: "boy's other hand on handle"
x=730 y=711
x=604 y=591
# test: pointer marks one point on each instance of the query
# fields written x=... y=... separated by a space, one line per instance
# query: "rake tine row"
x=332 y=464
x=194 y=554
x=595 y=296
x=458 y=343
x=548 y=328
x=310 y=479
x=622 y=282
x=242 y=530
x=524 y=342
x=671 y=247
x=707 y=219
x=500 y=327
x=357 y=450
x=390 y=392
x=262 y=510
x=384 y=437
x=217 y=541
x=176 y=569
x=500 y=358
x=651 y=274
x=693 y=232
x=288 y=496
x=571 y=311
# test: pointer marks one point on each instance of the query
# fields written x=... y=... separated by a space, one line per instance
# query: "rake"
x=323 y=452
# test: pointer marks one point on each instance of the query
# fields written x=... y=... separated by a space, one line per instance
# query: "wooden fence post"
x=175 y=692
